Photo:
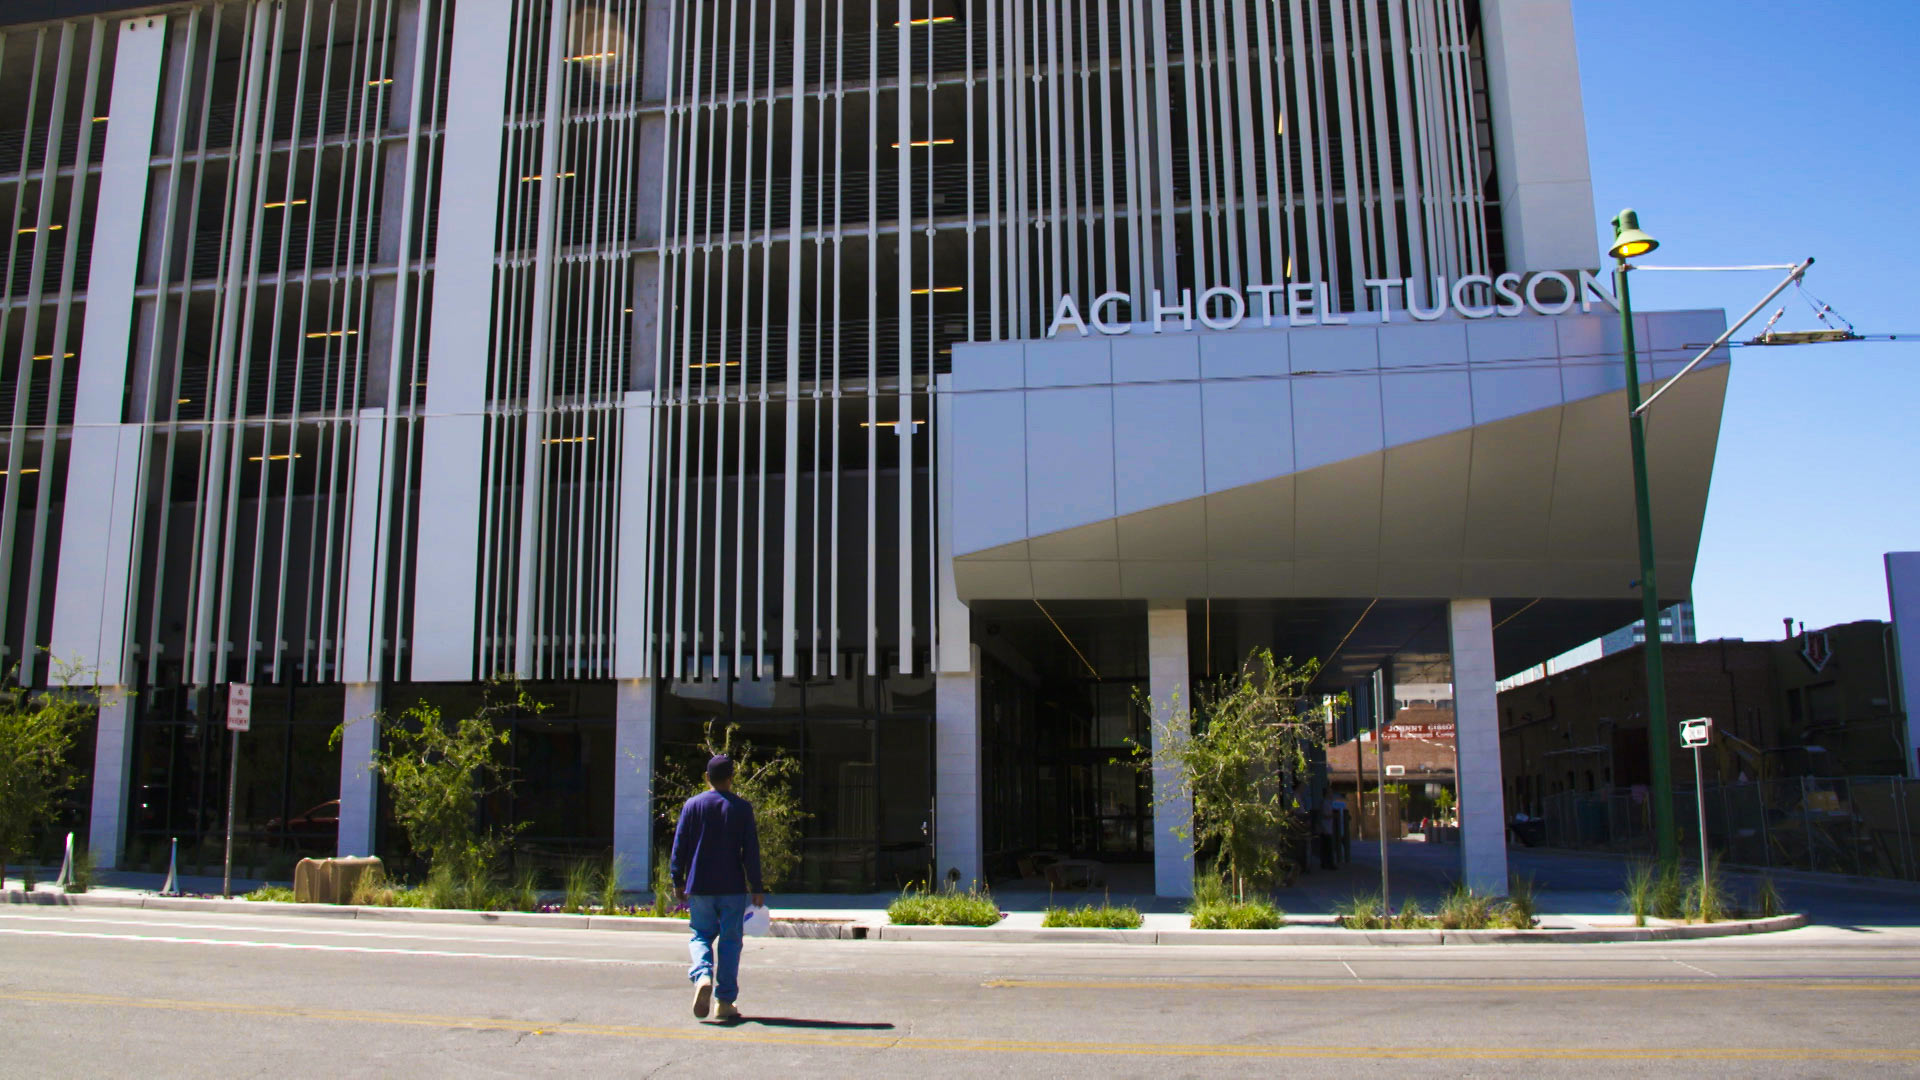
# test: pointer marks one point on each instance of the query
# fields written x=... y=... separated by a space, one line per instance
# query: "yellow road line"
x=749 y=1035
x=1902 y=986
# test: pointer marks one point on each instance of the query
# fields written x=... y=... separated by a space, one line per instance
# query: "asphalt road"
x=91 y=992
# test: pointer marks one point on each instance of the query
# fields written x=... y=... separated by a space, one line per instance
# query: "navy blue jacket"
x=716 y=847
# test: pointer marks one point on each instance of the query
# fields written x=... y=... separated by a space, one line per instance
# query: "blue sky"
x=1763 y=131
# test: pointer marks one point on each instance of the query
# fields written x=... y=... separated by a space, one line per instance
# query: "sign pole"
x=1694 y=735
x=239 y=718
x=1700 y=814
x=233 y=784
x=1380 y=799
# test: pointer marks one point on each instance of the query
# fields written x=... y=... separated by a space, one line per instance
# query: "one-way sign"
x=1694 y=732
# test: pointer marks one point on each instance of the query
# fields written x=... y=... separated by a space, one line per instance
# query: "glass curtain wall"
x=865 y=780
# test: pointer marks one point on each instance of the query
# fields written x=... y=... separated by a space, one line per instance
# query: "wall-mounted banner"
x=1475 y=296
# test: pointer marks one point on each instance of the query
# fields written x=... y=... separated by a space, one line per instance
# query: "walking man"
x=716 y=864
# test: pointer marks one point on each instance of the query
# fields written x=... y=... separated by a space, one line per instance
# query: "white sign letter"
x=1265 y=293
x=1384 y=287
x=1428 y=314
x=1300 y=305
x=1185 y=310
x=1506 y=288
x=1100 y=304
x=1067 y=313
x=1328 y=315
x=1460 y=296
x=1590 y=287
x=1236 y=309
x=1533 y=293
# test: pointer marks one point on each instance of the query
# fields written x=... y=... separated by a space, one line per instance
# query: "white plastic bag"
x=759 y=921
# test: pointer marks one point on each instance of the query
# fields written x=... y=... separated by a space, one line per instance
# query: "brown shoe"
x=702 y=996
x=724 y=1011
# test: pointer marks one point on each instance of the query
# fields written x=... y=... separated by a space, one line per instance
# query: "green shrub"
x=522 y=895
x=278 y=894
x=1767 y=901
x=28 y=880
x=1670 y=893
x=1105 y=916
x=82 y=871
x=1638 y=893
x=950 y=907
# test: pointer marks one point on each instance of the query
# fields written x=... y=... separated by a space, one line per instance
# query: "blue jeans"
x=716 y=922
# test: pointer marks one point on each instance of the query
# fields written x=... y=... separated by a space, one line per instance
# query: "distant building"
x=1676 y=625
x=1821 y=703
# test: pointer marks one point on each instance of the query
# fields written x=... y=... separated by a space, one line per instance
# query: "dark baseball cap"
x=720 y=767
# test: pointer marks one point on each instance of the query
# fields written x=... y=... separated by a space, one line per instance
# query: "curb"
x=1315 y=933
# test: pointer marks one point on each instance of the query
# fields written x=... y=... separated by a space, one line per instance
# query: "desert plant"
x=1521 y=903
x=1235 y=755
x=1638 y=893
x=437 y=771
x=1766 y=899
x=1103 y=916
x=1670 y=892
x=277 y=894
x=37 y=731
x=665 y=904
x=765 y=779
x=946 y=907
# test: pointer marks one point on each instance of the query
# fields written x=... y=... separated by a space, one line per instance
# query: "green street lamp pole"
x=1629 y=241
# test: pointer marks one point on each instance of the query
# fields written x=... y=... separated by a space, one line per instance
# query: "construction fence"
x=1863 y=825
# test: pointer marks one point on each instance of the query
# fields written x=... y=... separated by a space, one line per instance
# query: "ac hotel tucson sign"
x=1475 y=296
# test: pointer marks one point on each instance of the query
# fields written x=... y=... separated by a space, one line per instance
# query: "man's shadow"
x=792 y=1022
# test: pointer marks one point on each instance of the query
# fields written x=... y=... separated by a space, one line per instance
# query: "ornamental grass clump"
x=1767 y=901
x=277 y=894
x=1465 y=909
x=948 y=907
x=583 y=880
x=1089 y=916
x=1519 y=909
x=1707 y=896
x=1638 y=893
x=1361 y=913
x=1670 y=893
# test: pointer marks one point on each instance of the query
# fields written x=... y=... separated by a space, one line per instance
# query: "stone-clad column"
x=1476 y=714
x=1167 y=679
x=359 y=788
x=633 y=782
x=957 y=838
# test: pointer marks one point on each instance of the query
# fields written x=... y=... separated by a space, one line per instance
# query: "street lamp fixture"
x=1629 y=242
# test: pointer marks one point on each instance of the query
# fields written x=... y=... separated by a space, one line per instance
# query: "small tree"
x=37 y=731
x=437 y=771
x=1239 y=755
x=765 y=780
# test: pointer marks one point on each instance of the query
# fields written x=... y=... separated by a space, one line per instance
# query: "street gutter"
x=1316 y=930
